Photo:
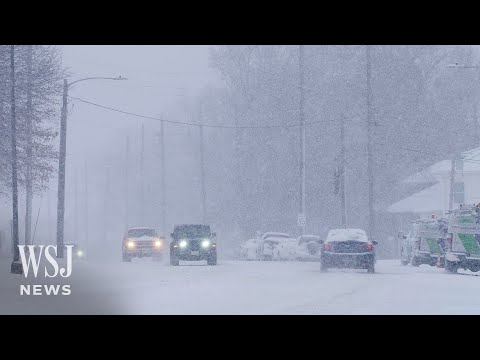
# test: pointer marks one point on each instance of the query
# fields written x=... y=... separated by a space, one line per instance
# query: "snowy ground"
x=241 y=287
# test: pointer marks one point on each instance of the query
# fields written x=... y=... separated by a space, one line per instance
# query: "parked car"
x=248 y=250
x=308 y=248
x=193 y=243
x=267 y=245
x=348 y=248
x=142 y=242
x=286 y=249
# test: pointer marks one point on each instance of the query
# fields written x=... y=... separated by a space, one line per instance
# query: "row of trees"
x=36 y=72
x=423 y=111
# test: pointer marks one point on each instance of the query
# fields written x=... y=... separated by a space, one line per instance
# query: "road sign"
x=301 y=221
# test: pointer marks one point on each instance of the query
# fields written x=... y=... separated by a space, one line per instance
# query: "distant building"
x=435 y=199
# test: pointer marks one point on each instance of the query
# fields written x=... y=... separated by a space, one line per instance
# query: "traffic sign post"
x=301 y=221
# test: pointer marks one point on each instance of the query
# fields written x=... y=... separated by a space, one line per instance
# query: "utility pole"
x=49 y=212
x=343 y=190
x=476 y=124
x=202 y=175
x=142 y=176
x=127 y=190
x=62 y=161
x=29 y=180
x=75 y=218
x=61 y=173
x=371 y=211
x=452 y=182
x=162 y=179
x=16 y=267
x=86 y=207
x=11 y=238
x=301 y=61
x=107 y=199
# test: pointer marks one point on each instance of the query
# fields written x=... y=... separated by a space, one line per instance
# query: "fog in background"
x=160 y=80
x=423 y=112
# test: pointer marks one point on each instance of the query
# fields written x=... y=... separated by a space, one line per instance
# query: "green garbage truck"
x=463 y=242
x=429 y=244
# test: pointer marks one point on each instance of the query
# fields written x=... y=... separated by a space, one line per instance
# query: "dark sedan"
x=348 y=248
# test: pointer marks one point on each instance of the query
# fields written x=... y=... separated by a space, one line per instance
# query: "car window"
x=141 y=232
x=192 y=231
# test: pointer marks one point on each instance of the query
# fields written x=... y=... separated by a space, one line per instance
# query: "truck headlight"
x=205 y=243
x=131 y=244
x=158 y=244
x=183 y=244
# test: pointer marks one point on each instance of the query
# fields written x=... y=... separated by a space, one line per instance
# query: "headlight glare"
x=183 y=244
x=157 y=244
x=205 y=243
x=131 y=244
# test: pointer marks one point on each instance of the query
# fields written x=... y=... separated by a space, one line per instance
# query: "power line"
x=247 y=126
x=196 y=124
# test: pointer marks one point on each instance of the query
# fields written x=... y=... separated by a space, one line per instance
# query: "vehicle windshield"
x=192 y=231
x=141 y=232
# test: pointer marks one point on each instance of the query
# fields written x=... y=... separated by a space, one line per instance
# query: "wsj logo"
x=32 y=259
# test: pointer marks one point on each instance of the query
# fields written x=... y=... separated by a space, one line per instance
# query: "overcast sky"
x=157 y=77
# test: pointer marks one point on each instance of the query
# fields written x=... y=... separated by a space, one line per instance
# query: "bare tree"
x=14 y=162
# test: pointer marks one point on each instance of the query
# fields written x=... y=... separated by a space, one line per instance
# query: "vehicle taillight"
x=326 y=246
x=369 y=246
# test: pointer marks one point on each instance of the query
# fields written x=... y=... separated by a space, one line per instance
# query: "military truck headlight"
x=205 y=243
x=131 y=244
x=183 y=244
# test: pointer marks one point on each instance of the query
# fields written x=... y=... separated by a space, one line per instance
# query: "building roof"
x=471 y=163
x=432 y=199
x=428 y=200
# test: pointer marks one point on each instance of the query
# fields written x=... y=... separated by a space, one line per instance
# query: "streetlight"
x=62 y=157
x=456 y=156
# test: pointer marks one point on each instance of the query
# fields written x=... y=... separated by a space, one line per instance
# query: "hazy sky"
x=157 y=77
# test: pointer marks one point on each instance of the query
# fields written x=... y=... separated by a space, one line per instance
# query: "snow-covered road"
x=240 y=287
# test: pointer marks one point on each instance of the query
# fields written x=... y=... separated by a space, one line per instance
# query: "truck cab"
x=142 y=242
x=191 y=242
